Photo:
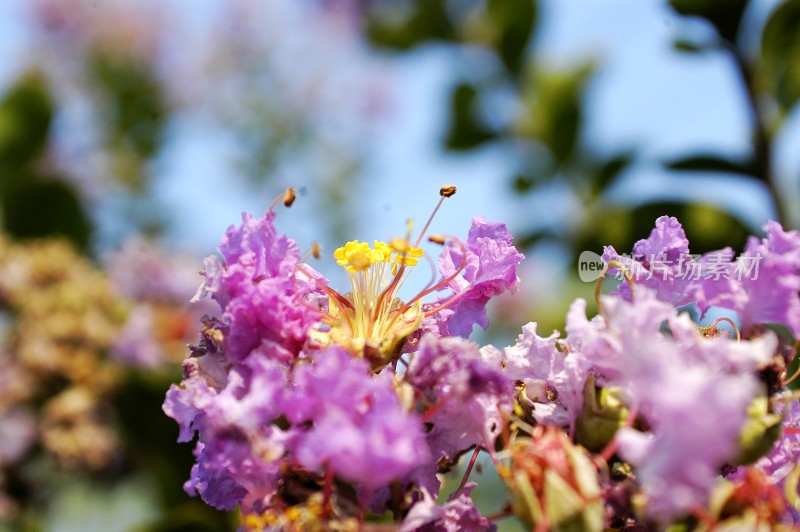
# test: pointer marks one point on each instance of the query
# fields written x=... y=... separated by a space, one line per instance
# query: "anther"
x=315 y=250
x=447 y=190
x=289 y=196
x=437 y=239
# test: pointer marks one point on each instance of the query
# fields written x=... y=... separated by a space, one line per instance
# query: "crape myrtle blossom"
x=451 y=376
x=552 y=380
x=477 y=271
x=294 y=380
x=659 y=262
x=691 y=391
x=773 y=296
x=761 y=285
x=458 y=513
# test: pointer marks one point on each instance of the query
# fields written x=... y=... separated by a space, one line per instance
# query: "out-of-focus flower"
x=158 y=286
x=458 y=513
x=552 y=380
x=465 y=396
x=767 y=292
x=65 y=317
x=60 y=318
x=17 y=433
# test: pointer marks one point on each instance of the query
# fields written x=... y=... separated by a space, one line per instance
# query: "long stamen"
x=446 y=281
x=443 y=283
x=328 y=291
x=713 y=329
x=445 y=192
x=599 y=284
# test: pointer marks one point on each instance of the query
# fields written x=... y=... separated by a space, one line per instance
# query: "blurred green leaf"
x=25 y=114
x=514 y=22
x=711 y=163
x=35 y=207
x=608 y=172
x=135 y=110
x=554 y=115
x=780 y=52
x=466 y=130
x=403 y=25
x=725 y=15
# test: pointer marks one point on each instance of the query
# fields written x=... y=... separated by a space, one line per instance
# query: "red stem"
x=469 y=467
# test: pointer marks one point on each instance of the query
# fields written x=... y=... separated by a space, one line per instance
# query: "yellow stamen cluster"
x=370 y=317
x=358 y=256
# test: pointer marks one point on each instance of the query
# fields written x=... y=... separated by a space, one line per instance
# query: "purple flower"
x=762 y=285
x=695 y=408
x=263 y=298
x=696 y=415
x=458 y=513
x=465 y=396
x=488 y=263
x=659 y=262
x=238 y=448
x=553 y=380
x=140 y=270
x=359 y=429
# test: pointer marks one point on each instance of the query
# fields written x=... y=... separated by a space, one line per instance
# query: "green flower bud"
x=761 y=430
x=602 y=415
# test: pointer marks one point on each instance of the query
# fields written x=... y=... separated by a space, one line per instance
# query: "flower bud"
x=761 y=430
x=602 y=415
x=554 y=483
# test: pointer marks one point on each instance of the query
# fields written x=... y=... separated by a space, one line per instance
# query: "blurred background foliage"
x=90 y=118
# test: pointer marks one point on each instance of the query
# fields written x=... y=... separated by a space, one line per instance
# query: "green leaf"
x=34 y=207
x=554 y=111
x=608 y=172
x=725 y=15
x=25 y=114
x=780 y=53
x=404 y=25
x=711 y=163
x=466 y=130
x=135 y=112
x=514 y=21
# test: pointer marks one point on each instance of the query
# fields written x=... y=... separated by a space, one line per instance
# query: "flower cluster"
x=60 y=316
x=315 y=409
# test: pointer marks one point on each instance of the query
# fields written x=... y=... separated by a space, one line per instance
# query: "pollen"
x=405 y=253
